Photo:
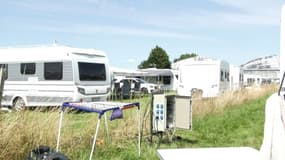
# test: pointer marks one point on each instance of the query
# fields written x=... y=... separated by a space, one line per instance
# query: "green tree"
x=143 y=64
x=185 y=56
x=158 y=58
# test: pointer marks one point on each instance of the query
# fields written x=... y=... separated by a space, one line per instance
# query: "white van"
x=51 y=75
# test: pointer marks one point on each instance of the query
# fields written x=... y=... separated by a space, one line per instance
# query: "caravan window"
x=53 y=71
x=166 y=80
x=28 y=68
x=222 y=76
x=91 y=71
x=228 y=76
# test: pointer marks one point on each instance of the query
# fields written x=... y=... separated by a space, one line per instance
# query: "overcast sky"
x=233 y=30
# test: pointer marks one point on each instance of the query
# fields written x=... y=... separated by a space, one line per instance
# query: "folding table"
x=100 y=108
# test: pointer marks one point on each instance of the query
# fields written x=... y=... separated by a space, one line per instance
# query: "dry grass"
x=23 y=131
x=206 y=106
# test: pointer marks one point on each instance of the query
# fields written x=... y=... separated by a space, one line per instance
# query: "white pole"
x=95 y=137
x=139 y=130
x=59 y=129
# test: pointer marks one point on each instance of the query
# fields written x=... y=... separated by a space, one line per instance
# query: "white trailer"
x=206 y=74
x=51 y=75
x=236 y=77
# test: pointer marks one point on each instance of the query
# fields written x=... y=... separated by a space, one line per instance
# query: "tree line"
x=158 y=58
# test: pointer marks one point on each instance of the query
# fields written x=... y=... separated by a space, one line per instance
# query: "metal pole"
x=139 y=130
x=281 y=84
x=95 y=137
x=59 y=129
x=2 y=72
x=151 y=120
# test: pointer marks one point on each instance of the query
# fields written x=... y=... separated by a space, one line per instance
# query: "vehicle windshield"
x=92 y=71
x=141 y=81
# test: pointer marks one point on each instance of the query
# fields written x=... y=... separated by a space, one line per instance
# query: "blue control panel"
x=160 y=111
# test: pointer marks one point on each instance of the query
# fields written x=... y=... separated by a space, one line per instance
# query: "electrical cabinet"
x=171 y=111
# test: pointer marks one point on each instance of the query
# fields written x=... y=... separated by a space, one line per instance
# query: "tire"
x=18 y=104
x=57 y=156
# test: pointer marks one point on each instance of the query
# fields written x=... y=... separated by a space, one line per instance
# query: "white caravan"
x=51 y=75
x=206 y=74
x=167 y=79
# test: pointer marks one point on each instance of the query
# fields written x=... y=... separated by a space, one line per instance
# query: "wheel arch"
x=24 y=98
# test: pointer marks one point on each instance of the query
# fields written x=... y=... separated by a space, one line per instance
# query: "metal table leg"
x=139 y=130
x=95 y=137
x=59 y=129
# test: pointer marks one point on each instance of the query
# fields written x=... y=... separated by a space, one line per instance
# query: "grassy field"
x=235 y=119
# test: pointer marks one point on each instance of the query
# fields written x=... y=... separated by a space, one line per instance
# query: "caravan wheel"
x=144 y=91
x=18 y=104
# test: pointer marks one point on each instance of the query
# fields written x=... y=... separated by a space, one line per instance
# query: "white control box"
x=171 y=111
x=159 y=112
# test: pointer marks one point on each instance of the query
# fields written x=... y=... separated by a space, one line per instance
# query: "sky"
x=236 y=31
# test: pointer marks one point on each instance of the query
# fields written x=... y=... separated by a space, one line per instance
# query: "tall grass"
x=241 y=125
x=202 y=107
x=23 y=131
x=20 y=132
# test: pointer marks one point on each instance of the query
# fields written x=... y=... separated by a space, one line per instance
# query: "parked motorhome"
x=202 y=74
x=262 y=70
x=50 y=75
x=167 y=79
